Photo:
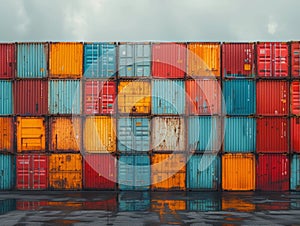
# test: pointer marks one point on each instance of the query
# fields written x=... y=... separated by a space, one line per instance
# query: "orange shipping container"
x=230 y=203
x=6 y=134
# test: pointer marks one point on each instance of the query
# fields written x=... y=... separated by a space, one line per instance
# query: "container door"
x=126 y=60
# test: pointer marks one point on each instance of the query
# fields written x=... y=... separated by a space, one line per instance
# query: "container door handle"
x=36 y=107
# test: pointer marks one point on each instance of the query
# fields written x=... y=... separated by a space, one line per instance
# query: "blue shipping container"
x=240 y=135
x=137 y=201
x=7 y=205
x=6 y=100
x=7 y=172
x=295 y=173
x=32 y=60
x=99 y=60
x=239 y=96
x=168 y=97
x=134 y=134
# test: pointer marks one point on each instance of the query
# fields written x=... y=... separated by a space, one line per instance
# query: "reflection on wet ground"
x=144 y=208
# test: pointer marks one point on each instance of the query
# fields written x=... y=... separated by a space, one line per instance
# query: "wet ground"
x=143 y=208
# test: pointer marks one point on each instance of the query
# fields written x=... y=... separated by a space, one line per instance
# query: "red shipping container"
x=295 y=59
x=295 y=135
x=272 y=59
x=99 y=97
x=238 y=60
x=7 y=61
x=295 y=98
x=99 y=171
x=106 y=205
x=272 y=135
x=273 y=172
x=31 y=97
x=30 y=205
x=168 y=60
x=272 y=98
x=32 y=172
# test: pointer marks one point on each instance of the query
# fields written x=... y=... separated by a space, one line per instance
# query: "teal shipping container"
x=137 y=201
x=134 y=134
x=7 y=172
x=295 y=173
x=240 y=135
x=203 y=202
x=6 y=100
x=7 y=205
x=99 y=60
x=32 y=60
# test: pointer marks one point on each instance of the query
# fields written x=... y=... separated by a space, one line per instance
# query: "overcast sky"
x=138 y=20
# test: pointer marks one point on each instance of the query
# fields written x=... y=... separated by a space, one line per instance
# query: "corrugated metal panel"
x=240 y=97
x=203 y=172
x=203 y=97
x=240 y=135
x=99 y=60
x=64 y=97
x=134 y=60
x=65 y=134
x=31 y=97
x=272 y=172
x=32 y=172
x=65 y=60
x=238 y=172
x=137 y=201
x=31 y=134
x=6 y=134
x=203 y=59
x=134 y=134
x=100 y=171
x=295 y=98
x=203 y=202
x=232 y=203
x=65 y=171
x=99 y=134
x=30 y=205
x=168 y=134
x=295 y=59
x=7 y=205
x=99 y=97
x=7 y=172
x=168 y=171
x=6 y=98
x=134 y=97
x=134 y=172
x=204 y=133
x=272 y=98
x=272 y=135
x=7 y=60
x=32 y=60
x=238 y=60
x=272 y=59
x=168 y=97
x=168 y=60
x=295 y=135
x=295 y=173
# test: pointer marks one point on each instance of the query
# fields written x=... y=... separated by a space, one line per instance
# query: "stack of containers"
x=238 y=72
x=272 y=104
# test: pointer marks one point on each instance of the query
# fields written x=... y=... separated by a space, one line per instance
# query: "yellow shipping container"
x=65 y=171
x=204 y=59
x=6 y=134
x=134 y=97
x=99 y=134
x=31 y=135
x=238 y=172
x=66 y=59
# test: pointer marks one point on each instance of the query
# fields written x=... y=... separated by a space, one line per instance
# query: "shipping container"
x=238 y=172
x=295 y=59
x=272 y=98
x=272 y=135
x=238 y=60
x=168 y=97
x=99 y=60
x=237 y=204
x=24 y=205
x=30 y=97
x=6 y=98
x=204 y=134
x=65 y=205
x=203 y=202
x=295 y=173
x=7 y=169
x=272 y=205
x=7 y=60
x=66 y=60
x=137 y=201
x=65 y=134
x=272 y=172
x=203 y=172
x=32 y=60
x=240 y=135
x=6 y=134
x=239 y=97
x=203 y=59
x=203 y=97
x=108 y=204
x=65 y=172
x=134 y=60
x=168 y=134
x=99 y=134
x=169 y=60
x=32 y=172
x=164 y=205
x=99 y=97
x=31 y=134
x=100 y=172
x=295 y=135
x=134 y=97
x=272 y=59
x=168 y=172
x=7 y=205
x=295 y=98
x=64 y=97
